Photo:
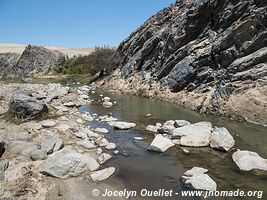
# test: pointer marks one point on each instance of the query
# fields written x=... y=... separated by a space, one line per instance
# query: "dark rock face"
x=35 y=60
x=2 y=146
x=198 y=43
x=26 y=107
x=7 y=61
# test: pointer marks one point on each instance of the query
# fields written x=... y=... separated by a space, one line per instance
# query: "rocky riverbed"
x=63 y=146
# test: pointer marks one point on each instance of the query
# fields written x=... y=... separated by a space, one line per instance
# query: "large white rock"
x=160 y=144
x=152 y=128
x=200 y=128
x=122 y=125
x=67 y=163
x=248 y=160
x=197 y=179
x=221 y=139
x=102 y=174
x=194 y=140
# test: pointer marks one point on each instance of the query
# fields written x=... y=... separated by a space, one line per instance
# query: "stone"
x=193 y=129
x=67 y=163
x=185 y=151
x=106 y=118
x=160 y=144
x=87 y=117
x=138 y=138
x=24 y=149
x=80 y=121
x=181 y=123
x=248 y=160
x=111 y=146
x=103 y=158
x=197 y=179
x=102 y=142
x=35 y=60
x=102 y=174
x=101 y=130
x=84 y=96
x=24 y=106
x=122 y=125
x=107 y=104
x=152 y=128
x=86 y=144
x=81 y=134
x=3 y=167
x=116 y=152
x=106 y=99
x=221 y=139
x=38 y=154
x=194 y=141
x=48 y=123
x=69 y=104
x=52 y=144
x=167 y=128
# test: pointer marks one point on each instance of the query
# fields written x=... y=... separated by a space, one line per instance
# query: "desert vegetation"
x=102 y=58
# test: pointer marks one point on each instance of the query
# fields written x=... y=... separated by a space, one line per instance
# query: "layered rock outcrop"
x=7 y=61
x=35 y=60
x=210 y=55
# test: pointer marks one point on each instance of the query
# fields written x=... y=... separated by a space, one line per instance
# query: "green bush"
x=102 y=58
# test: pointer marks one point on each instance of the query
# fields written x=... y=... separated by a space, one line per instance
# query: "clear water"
x=138 y=168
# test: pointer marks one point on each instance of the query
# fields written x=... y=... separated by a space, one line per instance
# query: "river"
x=138 y=168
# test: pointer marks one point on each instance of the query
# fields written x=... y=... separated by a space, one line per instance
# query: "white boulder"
x=67 y=163
x=122 y=125
x=221 y=139
x=248 y=160
x=160 y=144
x=197 y=179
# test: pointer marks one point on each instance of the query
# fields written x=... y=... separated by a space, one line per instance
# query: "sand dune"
x=70 y=51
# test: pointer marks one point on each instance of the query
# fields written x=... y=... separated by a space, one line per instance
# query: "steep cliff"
x=209 y=55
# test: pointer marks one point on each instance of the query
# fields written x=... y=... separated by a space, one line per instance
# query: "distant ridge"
x=69 y=51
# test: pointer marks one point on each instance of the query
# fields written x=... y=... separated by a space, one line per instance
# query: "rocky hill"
x=7 y=61
x=26 y=61
x=208 y=55
x=36 y=60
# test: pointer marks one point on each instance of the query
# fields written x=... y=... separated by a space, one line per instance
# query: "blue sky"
x=76 y=23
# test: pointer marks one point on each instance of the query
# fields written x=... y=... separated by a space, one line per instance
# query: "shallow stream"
x=138 y=168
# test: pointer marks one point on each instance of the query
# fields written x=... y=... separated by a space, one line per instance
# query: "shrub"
x=102 y=58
